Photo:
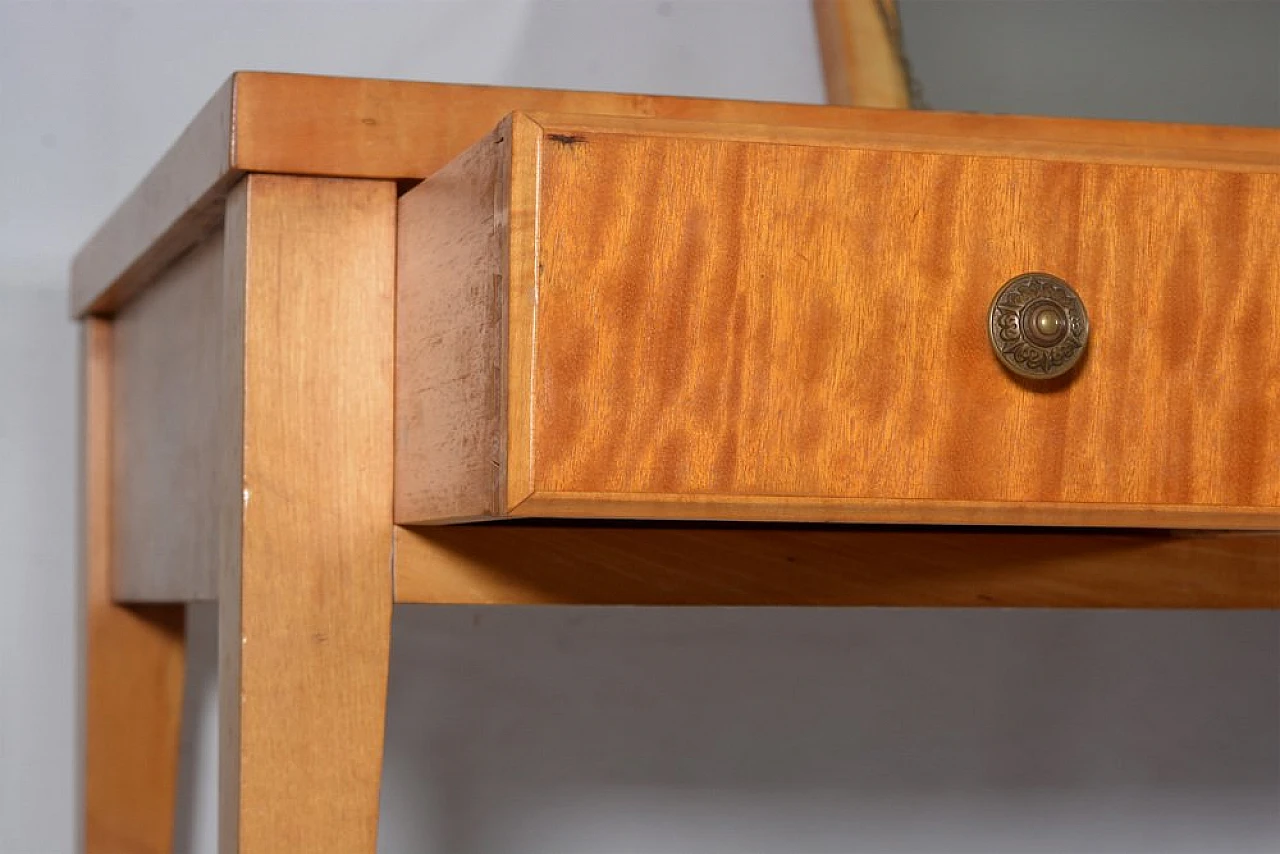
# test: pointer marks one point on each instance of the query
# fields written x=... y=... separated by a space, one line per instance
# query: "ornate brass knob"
x=1038 y=326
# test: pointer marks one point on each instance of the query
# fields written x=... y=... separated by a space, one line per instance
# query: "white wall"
x=610 y=731
x=38 y=592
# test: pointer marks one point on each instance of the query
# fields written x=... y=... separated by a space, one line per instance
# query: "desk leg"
x=305 y=583
x=133 y=660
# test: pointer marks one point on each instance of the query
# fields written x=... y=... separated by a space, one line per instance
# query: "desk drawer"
x=628 y=318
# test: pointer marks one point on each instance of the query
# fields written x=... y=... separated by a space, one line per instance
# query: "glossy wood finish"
x=305 y=125
x=745 y=326
x=168 y=361
x=133 y=659
x=402 y=130
x=709 y=565
x=305 y=594
x=860 y=43
x=795 y=330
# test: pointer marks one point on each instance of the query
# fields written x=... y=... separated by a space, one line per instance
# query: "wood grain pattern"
x=861 y=63
x=305 y=610
x=449 y=347
x=520 y=265
x=620 y=564
x=396 y=129
x=744 y=327
x=796 y=330
x=308 y=125
x=897 y=511
x=169 y=433
x=133 y=659
x=1099 y=151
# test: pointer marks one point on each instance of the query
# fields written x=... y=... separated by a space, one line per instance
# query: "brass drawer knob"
x=1038 y=326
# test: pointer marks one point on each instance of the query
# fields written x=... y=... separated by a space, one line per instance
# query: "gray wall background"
x=610 y=731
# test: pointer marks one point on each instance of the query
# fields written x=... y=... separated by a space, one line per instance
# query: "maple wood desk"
x=300 y=357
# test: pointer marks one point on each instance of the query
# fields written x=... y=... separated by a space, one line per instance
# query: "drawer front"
x=697 y=324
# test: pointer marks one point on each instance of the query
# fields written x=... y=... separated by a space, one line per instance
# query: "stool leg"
x=305 y=585
x=133 y=661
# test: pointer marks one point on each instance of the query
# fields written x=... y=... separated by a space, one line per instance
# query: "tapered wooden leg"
x=133 y=661
x=305 y=584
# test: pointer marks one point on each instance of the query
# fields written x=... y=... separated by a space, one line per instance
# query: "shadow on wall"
x=632 y=730
x=39 y=618
x=792 y=731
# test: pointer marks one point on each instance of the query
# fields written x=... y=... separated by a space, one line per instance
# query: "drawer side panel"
x=449 y=320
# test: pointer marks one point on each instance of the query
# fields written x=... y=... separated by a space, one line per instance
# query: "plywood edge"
x=769 y=508
x=175 y=206
x=450 y=441
x=1118 y=151
x=630 y=564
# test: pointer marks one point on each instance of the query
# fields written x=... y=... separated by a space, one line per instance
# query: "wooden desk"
x=660 y=344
